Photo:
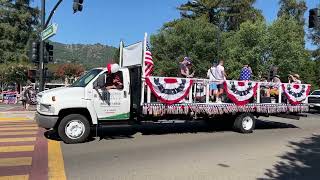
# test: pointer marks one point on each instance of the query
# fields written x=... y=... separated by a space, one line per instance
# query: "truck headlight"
x=46 y=108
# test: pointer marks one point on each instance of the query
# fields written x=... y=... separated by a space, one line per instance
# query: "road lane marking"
x=55 y=161
x=18 y=177
x=21 y=161
x=17 y=139
x=17 y=128
x=16 y=148
x=18 y=133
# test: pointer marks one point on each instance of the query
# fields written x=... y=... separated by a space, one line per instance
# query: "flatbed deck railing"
x=203 y=87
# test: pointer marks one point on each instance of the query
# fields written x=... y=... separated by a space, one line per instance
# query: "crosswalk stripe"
x=16 y=148
x=18 y=133
x=13 y=119
x=21 y=161
x=17 y=128
x=17 y=139
x=55 y=161
x=17 y=177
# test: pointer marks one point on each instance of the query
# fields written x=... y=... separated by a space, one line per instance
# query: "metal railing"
x=205 y=94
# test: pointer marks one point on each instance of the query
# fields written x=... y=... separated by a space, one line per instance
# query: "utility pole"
x=41 y=62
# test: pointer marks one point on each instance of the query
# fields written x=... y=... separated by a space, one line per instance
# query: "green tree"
x=194 y=38
x=227 y=14
x=246 y=46
x=287 y=47
x=17 y=25
x=17 y=72
x=293 y=8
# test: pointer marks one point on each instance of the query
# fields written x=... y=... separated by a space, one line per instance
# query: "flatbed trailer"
x=74 y=111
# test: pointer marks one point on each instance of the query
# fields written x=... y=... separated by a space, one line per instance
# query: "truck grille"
x=315 y=100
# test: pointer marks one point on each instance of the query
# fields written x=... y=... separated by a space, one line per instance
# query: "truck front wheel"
x=74 y=128
x=244 y=123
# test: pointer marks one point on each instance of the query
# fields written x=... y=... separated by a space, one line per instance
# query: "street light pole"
x=41 y=63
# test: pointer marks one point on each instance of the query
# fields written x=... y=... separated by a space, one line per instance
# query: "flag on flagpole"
x=148 y=62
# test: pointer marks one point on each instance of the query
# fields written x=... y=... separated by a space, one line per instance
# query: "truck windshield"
x=85 y=79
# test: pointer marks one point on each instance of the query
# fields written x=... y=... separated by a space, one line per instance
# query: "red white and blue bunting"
x=240 y=92
x=169 y=90
x=219 y=109
x=296 y=93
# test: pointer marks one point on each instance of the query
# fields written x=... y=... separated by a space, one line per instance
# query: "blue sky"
x=108 y=21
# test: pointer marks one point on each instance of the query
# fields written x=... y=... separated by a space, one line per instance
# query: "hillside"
x=88 y=55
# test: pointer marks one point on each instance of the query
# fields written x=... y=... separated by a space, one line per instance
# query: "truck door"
x=113 y=104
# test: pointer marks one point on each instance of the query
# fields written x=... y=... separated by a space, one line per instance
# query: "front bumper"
x=46 y=121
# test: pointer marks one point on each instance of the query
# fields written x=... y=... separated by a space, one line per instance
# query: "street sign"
x=49 y=31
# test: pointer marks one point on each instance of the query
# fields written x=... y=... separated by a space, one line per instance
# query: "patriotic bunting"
x=296 y=93
x=169 y=90
x=240 y=92
x=219 y=109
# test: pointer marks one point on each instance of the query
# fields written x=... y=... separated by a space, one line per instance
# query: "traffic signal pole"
x=41 y=61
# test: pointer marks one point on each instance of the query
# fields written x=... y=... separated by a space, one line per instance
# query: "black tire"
x=74 y=118
x=244 y=123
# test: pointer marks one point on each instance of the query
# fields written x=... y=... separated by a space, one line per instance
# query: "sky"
x=109 y=21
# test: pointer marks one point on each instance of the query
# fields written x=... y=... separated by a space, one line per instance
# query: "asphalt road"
x=278 y=149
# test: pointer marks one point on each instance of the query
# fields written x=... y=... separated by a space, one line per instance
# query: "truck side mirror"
x=100 y=82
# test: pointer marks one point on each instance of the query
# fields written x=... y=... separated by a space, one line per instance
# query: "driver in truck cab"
x=114 y=82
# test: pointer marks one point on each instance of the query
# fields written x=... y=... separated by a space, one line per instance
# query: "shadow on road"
x=179 y=128
x=264 y=124
x=111 y=133
x=302 y=163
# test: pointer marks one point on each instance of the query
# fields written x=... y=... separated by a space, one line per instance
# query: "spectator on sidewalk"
x=27 y=96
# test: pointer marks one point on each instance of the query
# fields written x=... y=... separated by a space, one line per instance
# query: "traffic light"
x=77 y=5
x=32 y=74
x=35 y=50
x=48 y=55
x=313 y=17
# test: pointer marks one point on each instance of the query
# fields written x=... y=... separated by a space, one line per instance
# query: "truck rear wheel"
x=74 y=128
x=244 y=123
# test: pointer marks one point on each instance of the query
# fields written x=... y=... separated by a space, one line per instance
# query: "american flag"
x=148 y=62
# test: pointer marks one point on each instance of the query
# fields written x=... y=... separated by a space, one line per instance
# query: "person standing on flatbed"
x=184 y=68
x=220 y=77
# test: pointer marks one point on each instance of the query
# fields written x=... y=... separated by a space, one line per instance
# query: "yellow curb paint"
x=18 y=128
x=16 y=148
x=14 y=119
x=17 y=139
x=18 y=133
x=55 y=161
x=21 y=161
x=18 y=177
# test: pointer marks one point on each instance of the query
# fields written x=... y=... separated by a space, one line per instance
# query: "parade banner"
x=296 y=93
x=9 y=97
x=240 y=92
x=169 y=90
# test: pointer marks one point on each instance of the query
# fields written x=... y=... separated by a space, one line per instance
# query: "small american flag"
x=148 y=62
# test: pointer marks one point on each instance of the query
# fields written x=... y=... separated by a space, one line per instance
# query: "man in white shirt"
x=221 y=77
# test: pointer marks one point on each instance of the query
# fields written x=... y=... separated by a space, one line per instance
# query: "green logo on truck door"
x=124 y=116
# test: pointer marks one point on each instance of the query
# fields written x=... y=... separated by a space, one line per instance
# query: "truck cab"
x=314 y=100
x=72 y=111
